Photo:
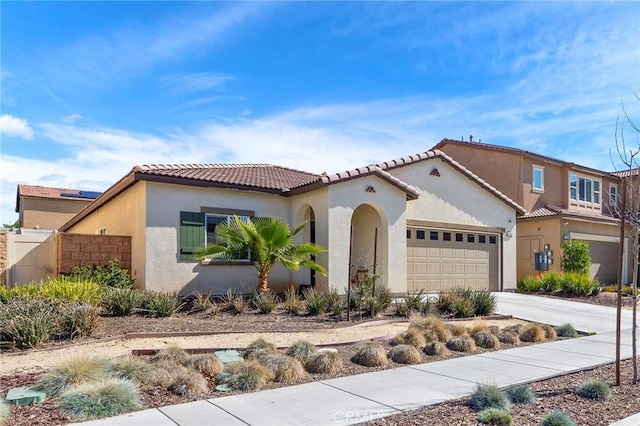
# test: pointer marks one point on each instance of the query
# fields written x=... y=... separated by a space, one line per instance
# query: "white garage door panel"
x=463 y=260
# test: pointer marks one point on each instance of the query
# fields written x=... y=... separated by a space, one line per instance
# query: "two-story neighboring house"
x=563 y=201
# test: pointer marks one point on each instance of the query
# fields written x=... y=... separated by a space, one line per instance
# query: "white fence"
x=31 y=256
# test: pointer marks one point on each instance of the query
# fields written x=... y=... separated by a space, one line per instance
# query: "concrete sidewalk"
x=365 y=397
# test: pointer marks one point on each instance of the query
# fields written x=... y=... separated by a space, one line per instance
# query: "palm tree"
x=269 y=241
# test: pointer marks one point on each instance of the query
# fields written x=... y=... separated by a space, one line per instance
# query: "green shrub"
x=578 y=284
x=159 y=304
x=370 y=355
x=529 y=284
x=190 y=384
x=78 y=320
x=484 y=302
x=550 y=281
x=74 y=371
x=301 y=350
x=495 y=416
x=575 y=256
x=337 y=303
x=444 y=302
x=243 y=375
x=594 y=389
x=317 y=302
x=258 y=348
x=283 y=368
x=264 y=302
x=488 y=396
x=557 y=418
x=521 y=394
x=626 y=289
x=462 y=344
x=97 y=400
x=463 y=308
x=171 y=354
x=121 y=302
x=414 y=299
x=372 y=305
x=405 y=354
x=566 y=330
x=128 y=367
x=28 y=321
x=207 y=364
x=324 y=362
x=292 y=302
x=111 y=275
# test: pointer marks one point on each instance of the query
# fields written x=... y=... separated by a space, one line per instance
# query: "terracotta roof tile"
x=550 y=211
x=627 y=173
x=412 y=192
x=46 y=192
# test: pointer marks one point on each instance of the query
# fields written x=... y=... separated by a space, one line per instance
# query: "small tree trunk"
x=263 y=285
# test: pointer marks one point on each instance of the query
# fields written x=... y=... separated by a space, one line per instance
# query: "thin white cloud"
x=15 y=126
x=197 y=82
x=70 y=119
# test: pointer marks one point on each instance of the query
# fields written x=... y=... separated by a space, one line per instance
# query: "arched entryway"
x=368 y=242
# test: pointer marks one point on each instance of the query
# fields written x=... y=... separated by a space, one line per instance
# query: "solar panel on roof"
x=89 y=195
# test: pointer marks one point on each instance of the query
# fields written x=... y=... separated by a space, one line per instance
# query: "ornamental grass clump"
x=495 y=417
x=324 y=362
x=74 y=371
x=293 y=304
x=78 y=320
x=370 y=355
x=549 y=332
x=265 y=302
x=317 y=302
x=532 y=333
x=171 y=354
x=258 y=348
x=478 y=326
x=488 y=396
x=457 y=329
x=412 y=336
x=129 y=368
x=436 y=349
x=207 y=364
x=463 y=308
x=462 y=344
x=96 y=400
x=283 y=368
x=566 y=330
x=484 y=302
x=557 y=418
x=486 y=340
x=594 y=389
x=405 y=354
x=122 y=302
x=509 y=337
x=301 y=350
x=521 y=394
x=28 y=321
x=244 y=375
x=159 y=304
x=190 y=384
x=163 y=374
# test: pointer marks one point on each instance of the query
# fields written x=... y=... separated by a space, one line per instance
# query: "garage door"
x=604 y=261
x=439 y=260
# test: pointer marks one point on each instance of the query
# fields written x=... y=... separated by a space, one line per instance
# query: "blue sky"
x=90 y=89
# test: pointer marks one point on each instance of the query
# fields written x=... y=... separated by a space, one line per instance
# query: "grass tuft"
x=258 y=348
x=488 y=396
x=521 y=394
x=405 y=354
x=207 y=364
x=163 y=374
x=478 y=326
x=549 y=332
x=129 y=368
x=72 y=372
x=172 y=354
x=486 y=340
x=283 y=368
x=532 y=333
x=100 y=399
x=495 y=416
x=293 y=304
x=325 y=362
x=594 y=389
x=557 y=418
x=370 y=355
x=301 y=350
x=566 y=330
x=244 y=375
x=462 y=344
x=457 y=329
x=436 y=349
x=509 y=338
x=265 y=302
x=190 y=384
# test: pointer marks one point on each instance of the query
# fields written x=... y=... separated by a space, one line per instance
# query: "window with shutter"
x=192 y=234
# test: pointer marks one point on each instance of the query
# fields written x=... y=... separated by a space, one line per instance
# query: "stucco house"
x=44 y=207
x=563 y=201
x=421 y=222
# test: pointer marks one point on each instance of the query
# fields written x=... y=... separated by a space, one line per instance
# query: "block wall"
x=88 y=250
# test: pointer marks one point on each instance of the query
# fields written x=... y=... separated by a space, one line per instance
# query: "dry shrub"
x=436 y=349
x=207 y=364
x=405 y=354
x=532 y=333
x=283 y=368
x=509 y=337
x=516 y=327
x=244 y=375
x=324 y=362
x=457 y=329
x=478 y=326
x=172 y=354
x=412 y=336
x=164 y=374
x=398 y=339
x=486 y=340
x=549 y=332
x=259 y=348
x=190 y=384
x=495 y=330
x=462 y=344
x=438 y=332
x=301 y=350
x=424 y=323
x=370 y=355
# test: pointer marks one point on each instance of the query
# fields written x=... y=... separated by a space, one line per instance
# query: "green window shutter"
x=191 y=234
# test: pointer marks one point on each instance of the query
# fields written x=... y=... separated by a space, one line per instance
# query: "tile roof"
x=627 y=173
x=404 y=161
x=518 y=151
x=412 y=193
x=35 y=191
x=551 y=211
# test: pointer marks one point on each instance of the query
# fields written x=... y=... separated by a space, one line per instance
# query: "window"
x=211 y=223
x=492 y=239
x=613 y=194
x=433 y=235
x=198 y=229
x=538 y=178
x=584 y=189
x=408 y=234
x=446 y=236
x=458 y=237
x=471 y=238
x=421 y=235
x=482 y=239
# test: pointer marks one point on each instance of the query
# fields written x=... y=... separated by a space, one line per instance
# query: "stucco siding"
x=165 y=272
x=48 y=213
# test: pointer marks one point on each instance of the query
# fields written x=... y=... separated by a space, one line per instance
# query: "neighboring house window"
x=198 y=229
x=613 y=194
x=538 y=178
x=584 y=189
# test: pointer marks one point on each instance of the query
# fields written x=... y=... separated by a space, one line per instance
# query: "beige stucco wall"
x=452 y=198
x=124 y=215
x=48 y=213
